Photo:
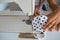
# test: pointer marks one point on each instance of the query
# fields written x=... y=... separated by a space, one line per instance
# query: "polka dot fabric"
x=38 y=22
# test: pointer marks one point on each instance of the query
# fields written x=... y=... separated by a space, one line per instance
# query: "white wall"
x=6 y=1
x=26 y=5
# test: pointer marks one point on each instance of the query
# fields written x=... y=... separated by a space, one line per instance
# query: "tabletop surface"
x=13 y=23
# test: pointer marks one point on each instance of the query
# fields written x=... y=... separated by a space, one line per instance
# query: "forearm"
x=53 y=4
x=55 y=12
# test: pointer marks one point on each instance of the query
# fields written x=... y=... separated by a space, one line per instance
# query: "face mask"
x=38 y=22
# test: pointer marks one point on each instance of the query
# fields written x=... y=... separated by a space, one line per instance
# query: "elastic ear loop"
x=35 y=34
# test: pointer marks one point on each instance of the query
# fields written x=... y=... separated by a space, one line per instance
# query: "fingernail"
x=51 y=30
x=46 y=29
x=43 y=27
x=59 y=30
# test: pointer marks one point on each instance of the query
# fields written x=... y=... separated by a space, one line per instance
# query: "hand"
x=53 y=20
x=36 y=13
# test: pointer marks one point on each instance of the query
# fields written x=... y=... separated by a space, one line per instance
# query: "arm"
x=53 y=4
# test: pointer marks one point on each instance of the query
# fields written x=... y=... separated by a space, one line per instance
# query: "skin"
x=53 y=4
x=53 y=20
x=54 y=17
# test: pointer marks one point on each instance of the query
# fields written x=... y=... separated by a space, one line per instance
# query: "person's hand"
x=36 y=13
x=53 y=20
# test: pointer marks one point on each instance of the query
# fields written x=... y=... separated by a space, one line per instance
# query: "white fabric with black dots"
x=38 y=22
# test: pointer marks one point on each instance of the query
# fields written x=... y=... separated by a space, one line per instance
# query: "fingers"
x=50 y=25
x=58 y=27
x=52 y=4
x=53 y=27
x=50 y=20
x=36 y=12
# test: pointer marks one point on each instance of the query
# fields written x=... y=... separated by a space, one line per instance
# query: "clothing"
x=38 y=3
x=44 y=5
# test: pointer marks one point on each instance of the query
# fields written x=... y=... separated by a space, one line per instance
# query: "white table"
x=15 y=24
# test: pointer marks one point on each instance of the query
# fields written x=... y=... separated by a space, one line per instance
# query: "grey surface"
x=11 y=36
x=14 y=36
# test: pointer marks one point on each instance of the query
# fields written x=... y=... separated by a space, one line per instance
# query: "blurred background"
x=11 y=23
x=22 y=7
